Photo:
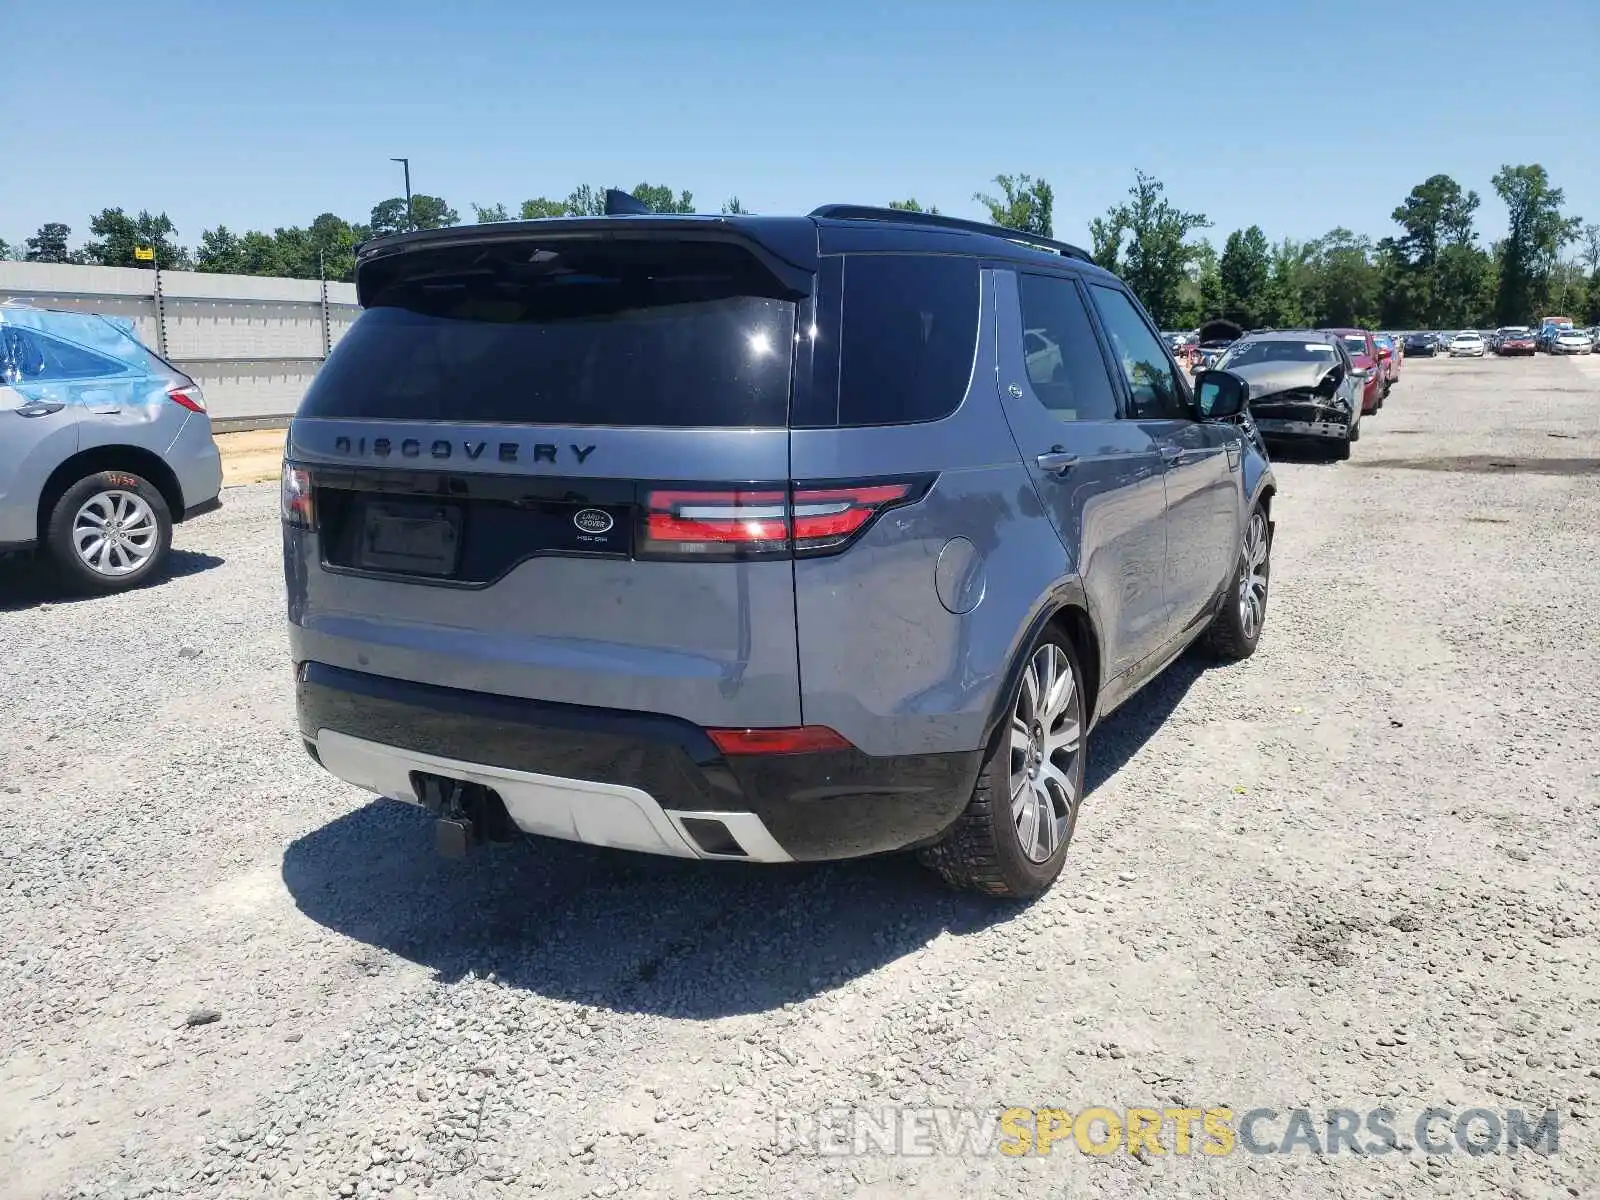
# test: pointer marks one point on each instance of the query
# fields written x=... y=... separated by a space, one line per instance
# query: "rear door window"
x=1065 y=367
x=908 y=332
x=651 y=332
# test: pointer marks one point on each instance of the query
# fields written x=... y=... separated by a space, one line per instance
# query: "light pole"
x=406 y=163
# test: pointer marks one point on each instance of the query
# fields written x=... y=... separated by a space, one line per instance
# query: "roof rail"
x=904 y=216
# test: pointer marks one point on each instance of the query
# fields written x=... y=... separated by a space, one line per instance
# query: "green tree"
x=485 y=214
x=732 y=208
x=1208 y=284
x=585 y=201
x=912 y=206
x=1537 y=231
x=661 y=200
x=1200 y=293
x=1437 y=213
x=427 y=212
x=1436 y=220
x=1290 y=283
x=1245 y=271
x=220 y=251
x=325 y=249
x=538 y=210
x=430 y=212
x=1027 y=204
x=1589 y=255
x=260 y=253
x=1463 y=288
x=49 y=245
x=119 y=235
x=1146 y=241
x=1345 y=282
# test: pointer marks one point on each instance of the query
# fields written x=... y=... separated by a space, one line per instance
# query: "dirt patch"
x=251 y=456
x=1488 y=464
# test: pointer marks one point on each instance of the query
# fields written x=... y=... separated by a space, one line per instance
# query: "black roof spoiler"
x=903 y=216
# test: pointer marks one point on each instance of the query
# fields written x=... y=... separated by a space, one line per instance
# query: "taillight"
x=802 y=739
x=716 y=524
x=295 y=497
x=827 y=518
x=190 y=396
x=761 y=522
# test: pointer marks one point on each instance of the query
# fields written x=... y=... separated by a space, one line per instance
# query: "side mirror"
x=1220 y=394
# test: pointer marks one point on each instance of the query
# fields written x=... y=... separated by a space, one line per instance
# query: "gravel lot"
x=1357 y=870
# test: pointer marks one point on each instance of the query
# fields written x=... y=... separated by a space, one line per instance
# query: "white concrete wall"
x=252 y=342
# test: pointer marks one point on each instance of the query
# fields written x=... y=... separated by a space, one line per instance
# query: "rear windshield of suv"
x=649 y=332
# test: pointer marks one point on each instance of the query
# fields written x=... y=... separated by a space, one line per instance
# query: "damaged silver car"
x=1305 y=390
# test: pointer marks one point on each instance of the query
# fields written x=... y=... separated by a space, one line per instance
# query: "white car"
x=1466 y=345
x=1571 y=341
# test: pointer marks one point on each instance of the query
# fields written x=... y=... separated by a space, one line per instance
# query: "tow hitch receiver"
x=468 y=813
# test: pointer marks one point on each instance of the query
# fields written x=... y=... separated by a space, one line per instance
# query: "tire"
x=138 y=511
x=1231 y=637
x=1341 y=450
x=1016 y=849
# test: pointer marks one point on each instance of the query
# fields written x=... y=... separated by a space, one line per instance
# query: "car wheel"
x=1341 y=450
x=1236 y=630
x=109 y=532
x=1012 y=839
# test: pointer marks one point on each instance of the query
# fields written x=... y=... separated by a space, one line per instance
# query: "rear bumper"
x=635 y=781
x=197 y=463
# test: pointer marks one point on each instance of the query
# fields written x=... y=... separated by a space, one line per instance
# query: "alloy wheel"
x=1046 y=740
x=115 y=533
x=1253 y=576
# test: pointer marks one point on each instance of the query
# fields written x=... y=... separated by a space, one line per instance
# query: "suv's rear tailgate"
x=710 y=642
x=481 y=448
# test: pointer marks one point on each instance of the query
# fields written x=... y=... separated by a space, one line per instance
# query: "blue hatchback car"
x=103 y=446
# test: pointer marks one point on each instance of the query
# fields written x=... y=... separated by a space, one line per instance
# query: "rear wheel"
x=1236 y=630
x=109 y=532
x=1012 y=840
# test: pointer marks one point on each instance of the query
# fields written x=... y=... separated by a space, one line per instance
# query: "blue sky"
x=1295 y=116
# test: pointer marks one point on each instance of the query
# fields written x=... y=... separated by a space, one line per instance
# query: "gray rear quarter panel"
x=881 y=658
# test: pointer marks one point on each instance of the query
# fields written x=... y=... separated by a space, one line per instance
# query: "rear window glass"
x=576 y=332
x=910 y=327
x=1276 y=350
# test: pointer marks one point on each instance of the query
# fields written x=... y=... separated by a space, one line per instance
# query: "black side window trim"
x=1072 y=279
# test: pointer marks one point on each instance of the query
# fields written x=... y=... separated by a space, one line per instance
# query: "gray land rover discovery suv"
x=759 y=538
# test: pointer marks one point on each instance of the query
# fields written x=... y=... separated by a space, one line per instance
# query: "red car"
x=1369 y=359
x=1392 y=354
x=1516 y=341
